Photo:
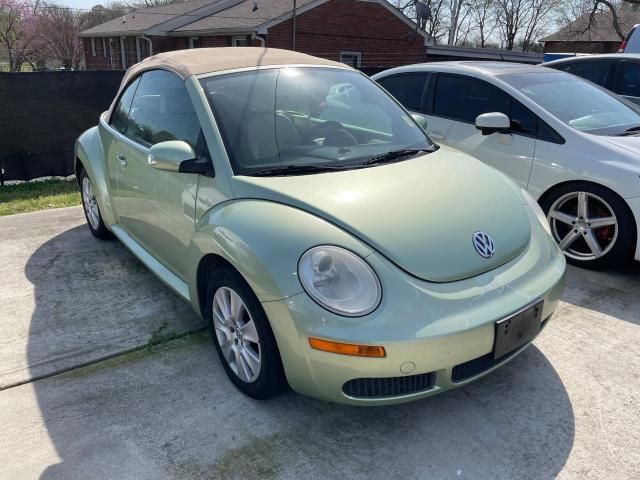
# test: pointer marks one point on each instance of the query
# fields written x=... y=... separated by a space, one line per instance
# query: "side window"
x=523 y=120
x=464 y=98
x=120 y=116
x=162 y=110
x=407 y=89
x=547 y=134
x=629 y=83
x=596 y=72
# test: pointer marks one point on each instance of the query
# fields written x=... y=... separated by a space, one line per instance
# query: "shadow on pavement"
x=94 y=299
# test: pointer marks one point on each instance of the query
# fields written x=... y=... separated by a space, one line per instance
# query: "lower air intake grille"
x=389 y=387
x=473 y=367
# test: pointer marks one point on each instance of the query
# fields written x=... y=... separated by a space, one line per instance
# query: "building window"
x=353 y=59
x=93 y=47
x=123 y=51
x=142 y=50
x=194 y=42
x=239 y=41
x=111 y=60
x=104 y=47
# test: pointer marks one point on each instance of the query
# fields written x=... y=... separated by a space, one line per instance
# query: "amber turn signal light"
x=347 y=348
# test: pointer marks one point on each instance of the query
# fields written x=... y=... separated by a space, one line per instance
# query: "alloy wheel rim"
x=584 y=225
x=237 y=335
x=90 y=203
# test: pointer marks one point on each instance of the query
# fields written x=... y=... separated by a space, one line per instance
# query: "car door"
x=158 y=208
x=451 y=109
x=115 y=143
x=627 y=82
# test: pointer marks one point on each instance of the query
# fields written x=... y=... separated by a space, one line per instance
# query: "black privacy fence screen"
x=42 y=114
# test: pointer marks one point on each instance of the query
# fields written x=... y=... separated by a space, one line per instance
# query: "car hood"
x=420 y=213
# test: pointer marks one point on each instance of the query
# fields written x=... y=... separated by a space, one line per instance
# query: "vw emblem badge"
x=483 y=244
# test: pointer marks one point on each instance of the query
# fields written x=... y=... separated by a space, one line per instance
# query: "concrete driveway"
x=568 y=407
x=67 y=299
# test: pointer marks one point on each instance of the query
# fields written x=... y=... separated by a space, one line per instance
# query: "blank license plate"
x=517 y=330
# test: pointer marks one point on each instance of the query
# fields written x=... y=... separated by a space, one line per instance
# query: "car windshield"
x=577 y=102
x=306 y=119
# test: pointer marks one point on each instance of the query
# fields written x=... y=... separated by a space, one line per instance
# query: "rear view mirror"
x=178 y=156
x=494 y=122
x=169 y=155
x=420 y=120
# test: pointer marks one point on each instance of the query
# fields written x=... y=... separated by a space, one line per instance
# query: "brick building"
x=589 y=34
x=369 y=34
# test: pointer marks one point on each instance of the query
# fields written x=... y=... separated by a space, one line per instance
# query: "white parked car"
x=617 y=72
x=574 y=146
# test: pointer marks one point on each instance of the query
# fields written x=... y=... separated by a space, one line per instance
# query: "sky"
x=81 y=3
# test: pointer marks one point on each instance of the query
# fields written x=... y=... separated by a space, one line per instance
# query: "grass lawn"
x=28 y=197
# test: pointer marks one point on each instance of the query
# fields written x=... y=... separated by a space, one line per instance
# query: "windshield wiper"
x=296 y=170
x=396 y=155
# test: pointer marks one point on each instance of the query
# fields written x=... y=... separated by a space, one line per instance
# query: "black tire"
x=96 y=226
x=625 y=231
x=271 y=380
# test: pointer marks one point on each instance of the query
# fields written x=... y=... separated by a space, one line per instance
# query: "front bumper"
x=425 y=328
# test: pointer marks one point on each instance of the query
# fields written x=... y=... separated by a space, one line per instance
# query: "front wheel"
x=591 y=224
x=91 y=209
x=242 y=336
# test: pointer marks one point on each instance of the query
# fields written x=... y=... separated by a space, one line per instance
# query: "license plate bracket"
x=517 y=330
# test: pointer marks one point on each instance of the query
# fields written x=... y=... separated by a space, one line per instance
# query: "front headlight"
x=542 y=218
x=340 y=281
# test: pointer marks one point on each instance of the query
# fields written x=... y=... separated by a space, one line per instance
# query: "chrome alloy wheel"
x=90 y=203
x=584 y=225
x=237 y=335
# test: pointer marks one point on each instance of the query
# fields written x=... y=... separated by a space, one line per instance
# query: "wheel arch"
x=89 y=157
x=577 y=183
x=547 y=193
x=78 y=168
x=206 y=265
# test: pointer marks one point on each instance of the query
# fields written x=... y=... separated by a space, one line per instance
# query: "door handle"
x=122 y=159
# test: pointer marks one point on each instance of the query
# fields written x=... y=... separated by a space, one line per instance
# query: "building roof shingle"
x=145 y=18
x=598 y=29
x=197 y=16
x=242 y=16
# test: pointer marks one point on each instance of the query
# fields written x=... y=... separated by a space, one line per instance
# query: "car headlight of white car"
x=542 y=218
x=339 y=281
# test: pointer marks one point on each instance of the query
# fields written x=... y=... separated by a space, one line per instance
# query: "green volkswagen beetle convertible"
x=332 y=246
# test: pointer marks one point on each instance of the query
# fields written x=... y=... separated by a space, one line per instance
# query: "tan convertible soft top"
x=197 y=61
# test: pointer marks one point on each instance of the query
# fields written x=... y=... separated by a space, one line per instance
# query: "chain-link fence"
x=42 y=114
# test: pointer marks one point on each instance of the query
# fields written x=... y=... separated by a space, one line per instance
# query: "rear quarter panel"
x=89 y=154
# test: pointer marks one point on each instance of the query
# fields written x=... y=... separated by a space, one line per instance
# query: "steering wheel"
x=335 y=135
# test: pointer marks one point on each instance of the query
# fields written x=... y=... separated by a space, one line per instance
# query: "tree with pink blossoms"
x=19 y=31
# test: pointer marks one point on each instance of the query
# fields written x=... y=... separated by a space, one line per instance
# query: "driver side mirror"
x=420 y=120
x=494 y=122
x=177 y=156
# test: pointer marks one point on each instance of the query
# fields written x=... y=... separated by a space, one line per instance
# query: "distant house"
x=369 y=34
x=591 y=35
